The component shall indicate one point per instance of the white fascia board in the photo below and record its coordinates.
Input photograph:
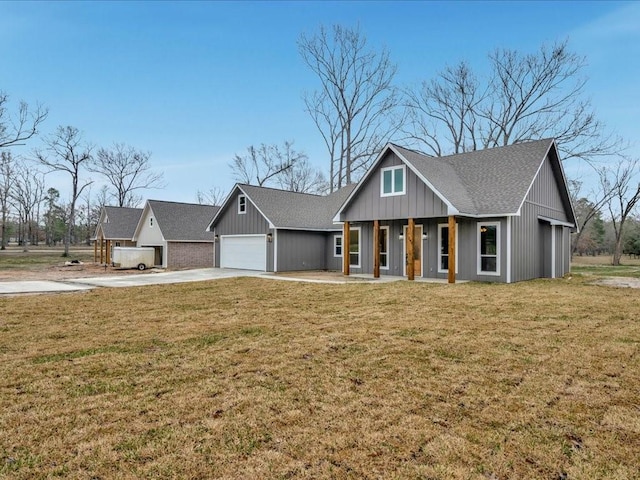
(364, 178)
(304, 229)
(136, 232)
(554, 222)
(223, 206)
(271, 225)
(451, 209)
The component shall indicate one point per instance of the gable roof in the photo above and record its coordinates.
(181, 221)
(119, 223)
(490, 182)
(292, 210)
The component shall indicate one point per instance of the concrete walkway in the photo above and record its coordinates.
(182, 276)
(87, 283)
(39, 286)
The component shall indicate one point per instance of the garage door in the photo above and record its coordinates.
(247, 252)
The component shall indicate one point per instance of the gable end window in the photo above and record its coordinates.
(337, 246)
(242, 204)
(489, 248)
(151, 222)
(392, 181)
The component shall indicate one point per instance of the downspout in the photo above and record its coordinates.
(553, 251)
(275, 250)
(508, 249)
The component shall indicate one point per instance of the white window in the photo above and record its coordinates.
(443, 248)
(489, 248)
(337, 246)
(392, 181)
(242, 204)
(354, 247)
(384, 248)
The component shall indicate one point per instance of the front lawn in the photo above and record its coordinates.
(253, 378)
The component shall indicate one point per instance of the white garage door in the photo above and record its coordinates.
(247, 252)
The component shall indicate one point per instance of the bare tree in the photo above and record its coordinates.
(447, 103)
(28, 193)
(18, 128)
(65, 151)
(352, 109)
(127, 170)
(303, 178)
(623, 179)
(7, 179)
(588, 208)
(526, 97)
(261, 166)
(214, 196)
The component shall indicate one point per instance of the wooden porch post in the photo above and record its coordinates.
(345, 249)
(95, 250)
(101, 249)
(452, 249)
(108, 252)
(411, 272)
(376, 249)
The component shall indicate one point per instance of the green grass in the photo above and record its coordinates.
(607, 270)
(15, 259)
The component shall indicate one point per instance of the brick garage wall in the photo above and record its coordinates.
(190, 255)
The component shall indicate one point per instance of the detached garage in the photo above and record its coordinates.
(246, 252)
(178, 233)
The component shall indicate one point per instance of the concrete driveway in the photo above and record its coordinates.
(79, 284)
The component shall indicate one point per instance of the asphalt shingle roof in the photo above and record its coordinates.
(183, 221)
(294, 210)
(483, 182)
(122, 222)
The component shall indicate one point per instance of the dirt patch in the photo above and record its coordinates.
(61, 272)
(622, 282)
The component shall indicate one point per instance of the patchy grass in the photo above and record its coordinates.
(537, 380)
(601, 266)
(40, 257)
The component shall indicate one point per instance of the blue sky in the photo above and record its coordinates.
(195, 83)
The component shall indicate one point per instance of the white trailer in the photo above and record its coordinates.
(134, 257)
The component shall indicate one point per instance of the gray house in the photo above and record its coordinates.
(116, 227)
(273, 230)
(502, 214)
(178, 232)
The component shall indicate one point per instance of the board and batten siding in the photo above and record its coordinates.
(545, 194)
(531, 238)
(301, 250)
(332, 262)
(230, 222)
(419, 201)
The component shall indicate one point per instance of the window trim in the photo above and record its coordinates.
(335, 246)
(359, 230)
(150, 222)
(442, 226)
(393, 169)
(479, 270)
(242, 206)
(385, 227)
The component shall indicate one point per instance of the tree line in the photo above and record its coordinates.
(33, 213)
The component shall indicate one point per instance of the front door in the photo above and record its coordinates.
(417, 250)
